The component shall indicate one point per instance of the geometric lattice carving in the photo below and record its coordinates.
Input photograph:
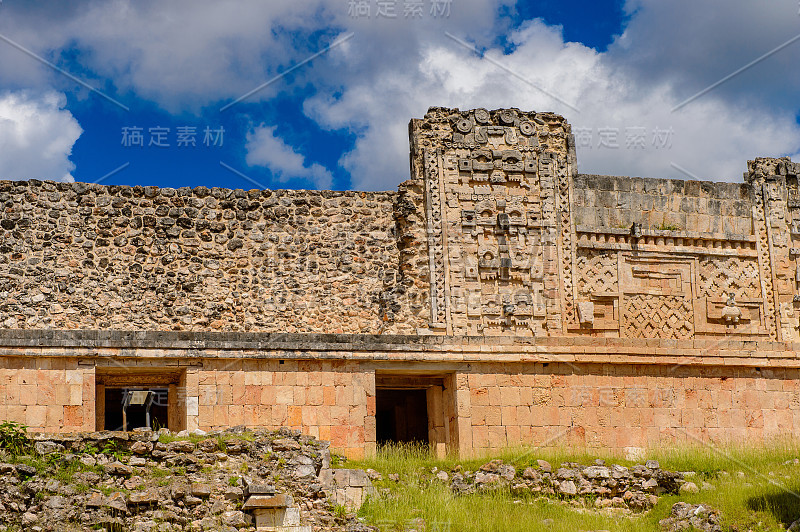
(435, 238)
(570, 314)
(597, 271)
(656, 316)
(765, 268)
(719, 276)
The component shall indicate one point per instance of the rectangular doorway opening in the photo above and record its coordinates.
(414, 408)
(126, 397)
(137, 414)
(401, 416)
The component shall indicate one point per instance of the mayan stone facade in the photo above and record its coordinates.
(516, 300)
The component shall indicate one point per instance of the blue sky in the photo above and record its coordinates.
(630, 76)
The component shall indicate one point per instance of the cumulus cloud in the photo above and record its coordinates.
(627, 121)
(199, 52)
(36, 136)
(182, 53)
(265, 148)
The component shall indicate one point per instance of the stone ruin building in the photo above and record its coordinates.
(497, 298)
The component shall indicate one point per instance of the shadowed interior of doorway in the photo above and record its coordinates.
(413, 408)
(401, 416)
(167, 409)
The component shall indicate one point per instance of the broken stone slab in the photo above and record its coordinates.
(568, 487)
(259, 489)
(359, 478)
(149, 496)
(25, 470)
(282, 500)
(597, 472)
(95, 500)
(141, 447)
(47, 447)
(335, 477)
(118, 469)
(116, 501)
(236, 519)
(201, 490)
(180, 446)
(285, 444)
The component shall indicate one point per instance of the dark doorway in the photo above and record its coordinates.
(401, 416)
(136, 413)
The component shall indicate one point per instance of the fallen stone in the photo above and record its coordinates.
(567, 487)
(141, 448)
(594, 472)
(530, 474)
(149, 496)
(259, 489)
(209, 445)
(47, 447)
(116, 501)
(180, 446)
(25, 470)
(201, 490)
(282, 500)
(56, 502)
(118, 469)
(235, 519)
(95, 500)
(285, 444)
(684, 516)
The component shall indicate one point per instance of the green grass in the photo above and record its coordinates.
(668, 227)
(169, 438)
(158, 472)
(766, 498)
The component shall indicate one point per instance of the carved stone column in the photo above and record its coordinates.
(771, 223)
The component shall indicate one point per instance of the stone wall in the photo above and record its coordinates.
(494, 234)
(79, 256)
(626, 406)
(330, 400)
(47, 394)
(483, 393)
(702, 207)
(531, 303)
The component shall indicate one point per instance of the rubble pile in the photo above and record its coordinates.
(147, 481)
(684, 516)
(636, 488)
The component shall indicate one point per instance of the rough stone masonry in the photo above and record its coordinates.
(497, 298)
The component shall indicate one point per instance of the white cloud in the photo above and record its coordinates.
(711, 138)
(265, 148)
(195, 53)
(36, 136)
